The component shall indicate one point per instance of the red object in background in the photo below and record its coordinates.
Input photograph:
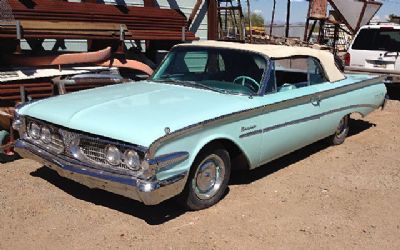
(318, 9)
(63, 59)
(347, 59)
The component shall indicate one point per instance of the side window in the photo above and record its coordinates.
(215, 63)
(196, 61)
(291, 73)
(221, 63)
(316, 73)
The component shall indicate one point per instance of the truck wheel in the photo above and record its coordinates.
(341, 132)
(208, 179)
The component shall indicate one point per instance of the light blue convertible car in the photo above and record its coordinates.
(209, 108)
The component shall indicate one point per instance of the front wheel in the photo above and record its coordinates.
(208, 179)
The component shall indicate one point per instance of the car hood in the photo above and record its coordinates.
(136, 112)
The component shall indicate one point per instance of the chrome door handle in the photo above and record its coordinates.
(315, 100)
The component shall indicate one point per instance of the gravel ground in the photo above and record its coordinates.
(318, 197)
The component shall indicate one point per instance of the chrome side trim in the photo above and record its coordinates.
(150, 192)
(258, 111)
(167, 160)
(305, 119)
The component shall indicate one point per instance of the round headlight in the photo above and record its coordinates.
(131, 159)
(113, 155)
(45, 135)
(34, 130)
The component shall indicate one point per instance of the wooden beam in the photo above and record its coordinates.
(212, 19)
(250, 24)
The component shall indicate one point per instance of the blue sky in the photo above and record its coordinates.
(299, 9)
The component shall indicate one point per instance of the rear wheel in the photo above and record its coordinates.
(208, 179)
(341, 131)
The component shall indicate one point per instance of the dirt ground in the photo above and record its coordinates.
(319, 197)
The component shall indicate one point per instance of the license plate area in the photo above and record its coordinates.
(380, 65)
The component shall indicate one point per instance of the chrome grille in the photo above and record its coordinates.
(93, 149)
(69, 140)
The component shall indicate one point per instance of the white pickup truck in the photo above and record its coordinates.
(376, 49)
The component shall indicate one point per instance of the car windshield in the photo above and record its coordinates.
(385, 39)
(222, 70)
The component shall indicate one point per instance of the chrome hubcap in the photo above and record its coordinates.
(342, 127)
(208, 177)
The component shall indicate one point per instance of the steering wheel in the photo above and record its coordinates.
(248, 82)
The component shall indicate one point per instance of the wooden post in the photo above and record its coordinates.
(307, 23)
(287, 19)
(335, 38)
(194, 12)
(272, 19)
(212, 20)
(249, 16)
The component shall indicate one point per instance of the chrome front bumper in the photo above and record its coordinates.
(150, 192)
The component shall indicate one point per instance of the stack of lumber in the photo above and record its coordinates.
(40, 88)
(60, 30)
(145, 23)
(36, 89)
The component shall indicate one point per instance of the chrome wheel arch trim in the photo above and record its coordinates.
(244, 114)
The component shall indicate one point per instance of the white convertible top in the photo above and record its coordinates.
(281, 51)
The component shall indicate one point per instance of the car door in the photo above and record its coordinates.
(291, 117)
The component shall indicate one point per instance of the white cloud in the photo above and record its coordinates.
(376, 18)
(257, 11)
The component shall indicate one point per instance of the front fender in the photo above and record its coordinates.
(194, 143)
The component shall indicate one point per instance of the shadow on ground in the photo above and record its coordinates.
(170, 209)
(153, 215)
(394, 92)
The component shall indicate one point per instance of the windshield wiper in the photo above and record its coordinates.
(203, 86)
(192, 84)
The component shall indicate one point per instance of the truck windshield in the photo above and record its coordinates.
(222, 70)
(385, 39)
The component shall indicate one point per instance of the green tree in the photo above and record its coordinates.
(394, 19)
(256, 20)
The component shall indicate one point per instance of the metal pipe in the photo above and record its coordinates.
(272, 19)
(18, 29)
(194, 12)
(287, 18)
(22, 94)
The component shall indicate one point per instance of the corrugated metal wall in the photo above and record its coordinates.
(199, 24)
